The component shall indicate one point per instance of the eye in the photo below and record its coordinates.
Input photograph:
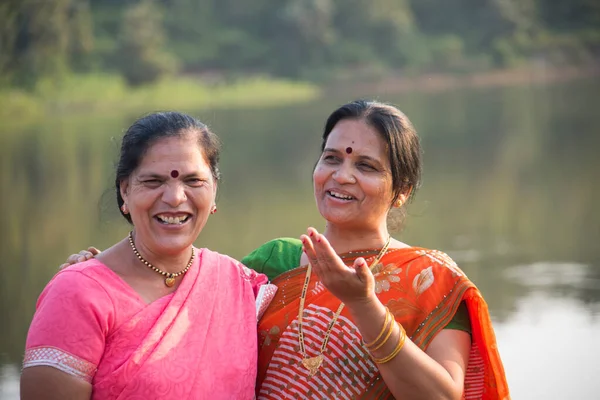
(367, 167)
(152, 182)
(195, 181)
(330, 159)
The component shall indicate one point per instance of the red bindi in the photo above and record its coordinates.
(174, 173)
(349, 150)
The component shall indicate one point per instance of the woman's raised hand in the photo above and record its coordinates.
(353, 284)
(82, 256)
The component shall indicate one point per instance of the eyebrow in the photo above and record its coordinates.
(363, 157)
(151, 175)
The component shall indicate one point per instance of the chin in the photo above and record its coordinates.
(337, 219)
(174, 245)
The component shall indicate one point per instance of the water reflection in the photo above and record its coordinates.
(550, 349)
(510, 179)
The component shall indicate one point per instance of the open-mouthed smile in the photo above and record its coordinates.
(339, 195)
(173, 220)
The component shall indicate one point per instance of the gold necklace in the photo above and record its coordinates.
(169, 276)
(312, 364)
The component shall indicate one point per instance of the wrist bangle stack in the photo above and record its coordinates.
(394, 353)
(384, 336)
(389, 319)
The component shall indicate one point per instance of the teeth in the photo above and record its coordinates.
(172, 220)
(340, 196)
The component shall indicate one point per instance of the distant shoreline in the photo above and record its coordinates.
(106, 94)
(531, 75)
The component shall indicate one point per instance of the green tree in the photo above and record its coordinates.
(43, 38)
(303, 35)
(9, 14)
(141, 55)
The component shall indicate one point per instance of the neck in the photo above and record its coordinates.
(344, 240)
(171, 263)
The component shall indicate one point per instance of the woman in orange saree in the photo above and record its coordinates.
(394, 321)
(423, 289)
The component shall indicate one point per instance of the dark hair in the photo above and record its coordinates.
(402, 142)
(147, 130)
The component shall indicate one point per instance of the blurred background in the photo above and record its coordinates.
(504, 94)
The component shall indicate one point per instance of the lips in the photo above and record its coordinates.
(173, 219)
(340, 195)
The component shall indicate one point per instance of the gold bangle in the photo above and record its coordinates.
(388, 314)
(385, 339)
(401, 341)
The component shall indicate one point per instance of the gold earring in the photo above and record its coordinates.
(125, 209)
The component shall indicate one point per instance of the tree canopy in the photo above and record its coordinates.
(308, 39)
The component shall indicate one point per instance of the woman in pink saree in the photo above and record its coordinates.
(152, 317)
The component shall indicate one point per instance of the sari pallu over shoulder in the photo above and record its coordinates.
(422, 288)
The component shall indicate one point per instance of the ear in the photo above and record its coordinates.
(123, 187)
(215, 186)
(402, 198)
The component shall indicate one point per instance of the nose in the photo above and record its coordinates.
(174, 194)
(344, 174)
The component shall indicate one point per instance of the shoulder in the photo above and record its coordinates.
(275, 248)
(81, 280)
(224, 261)
(75, 302)
(230, 264)
(280, 244)
(275, 256)
(436, 260)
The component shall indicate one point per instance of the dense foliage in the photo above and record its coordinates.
(310, 39)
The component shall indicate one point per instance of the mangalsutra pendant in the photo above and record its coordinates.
(169, 281)
(312, 364)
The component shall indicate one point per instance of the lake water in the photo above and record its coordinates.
(511, 190)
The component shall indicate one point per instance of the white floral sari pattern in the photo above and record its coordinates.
(387, 274)
(423, 280)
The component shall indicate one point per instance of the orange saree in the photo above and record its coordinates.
(422, 288)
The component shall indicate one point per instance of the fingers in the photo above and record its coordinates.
(326, 256)
(82, 256)
(321, 254)
(94, 251)
(309, 249)
(362, 269)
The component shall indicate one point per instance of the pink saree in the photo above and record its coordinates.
(198, 342)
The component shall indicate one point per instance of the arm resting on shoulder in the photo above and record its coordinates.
(47, 383)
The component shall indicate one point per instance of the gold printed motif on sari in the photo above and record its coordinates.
(443, 259)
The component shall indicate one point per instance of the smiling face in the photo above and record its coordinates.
(168, 209)
(353, 188)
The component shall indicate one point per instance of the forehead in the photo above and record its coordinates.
(182, 152)
(363, 138)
